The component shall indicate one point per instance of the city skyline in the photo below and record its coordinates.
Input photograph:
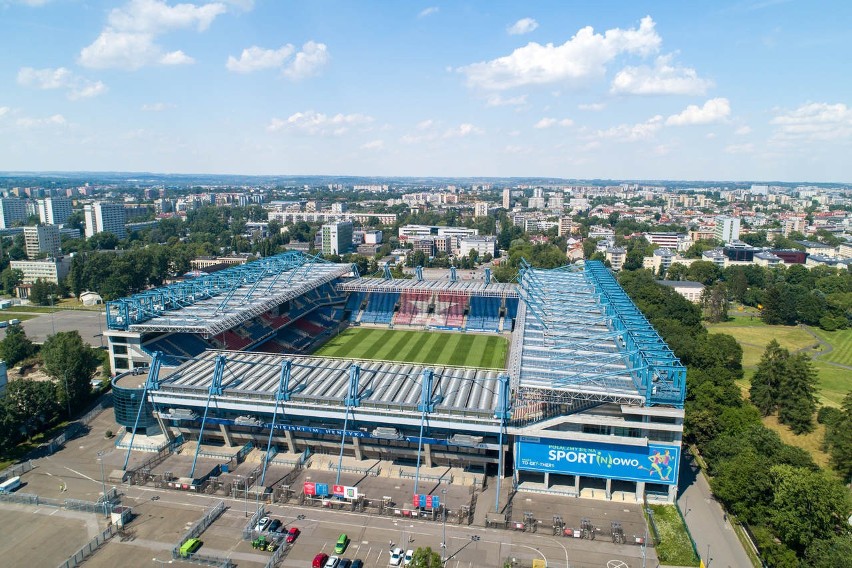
(728, 91)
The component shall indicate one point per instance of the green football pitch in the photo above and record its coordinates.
(464, 350)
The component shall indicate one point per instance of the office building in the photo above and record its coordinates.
(507, 198)
(337, 238)
(103, 217)
(482, 246)
(12, 210)
(481, 209)
(727, 229)
(54, 210)
(44, 238)
(47, 270)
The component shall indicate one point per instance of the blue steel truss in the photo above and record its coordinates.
(586, 340)
(123, 313)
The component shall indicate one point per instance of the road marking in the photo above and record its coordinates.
(81, 474)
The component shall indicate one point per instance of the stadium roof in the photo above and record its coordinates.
(452, 287)
(216, 302)
(583, 339)
(388, 388)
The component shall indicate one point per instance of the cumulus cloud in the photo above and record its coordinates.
(255, 58)
(428, 11)
(813, 122)
(156, 107)
(583, 56)
(128, 40)
(76, 87)
(742, 130)
(308, 62)
(425, 124)
(319, 124)
(55, 120)
(663, 78)
(714, 110)
(497, 100)
(462, 130)
(4, 111)
(548, 122)
(592, 106)
(373, 145)
(740, 148)
(522, 26)
(633, 132)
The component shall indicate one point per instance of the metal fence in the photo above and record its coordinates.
(73, 429)
(201, 524)
(70, 504)
(248, 530)
(16, 470)
(89, 548)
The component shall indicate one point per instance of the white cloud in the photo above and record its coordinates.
(497, 100)
(462, 130)
(740, 148)
(374, 145)
(307, 62)
(633, 132)
(742, 130)
(582, 57)
(548, 122)
(714, 110)
(156, 107)
(814, 121)
(255, 58)
(316, 123)
(4, 111)
(55, 120)
(522, 26)
(60, 78)
(517, 150)
(595, 107)
(661, 79)
(428, 11)
(710, 135)
(425, 124)
(128, 40)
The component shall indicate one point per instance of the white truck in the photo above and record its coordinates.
(10, 484)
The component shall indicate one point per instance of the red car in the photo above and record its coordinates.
(292, 534)
(319, 560)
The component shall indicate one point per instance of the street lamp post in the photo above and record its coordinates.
(444, 528)
(103, 483)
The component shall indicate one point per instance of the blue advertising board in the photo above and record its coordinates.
(654, 463)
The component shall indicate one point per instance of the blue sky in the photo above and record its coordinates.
(741, 90)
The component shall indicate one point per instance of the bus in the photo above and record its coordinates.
(10, 484)
(189, 547)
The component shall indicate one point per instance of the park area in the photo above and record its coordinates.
(831, 352)
(433, 348)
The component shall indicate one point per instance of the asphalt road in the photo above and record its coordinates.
(714, 536)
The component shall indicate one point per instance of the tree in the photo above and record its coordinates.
(703, 271)
(768, 377)
(72, 363)
(829, 553)
(779, 305)
(714, 300)
(808, 506)
(677, 271)
(9, 278)
(16, 346)
(838, 438)
(426, 558)
(797, 395)
(31, 404)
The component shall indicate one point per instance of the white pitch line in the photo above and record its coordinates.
(81, 474)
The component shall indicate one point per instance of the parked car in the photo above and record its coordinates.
(319, 560)
(396, 556)
(262, 524)
(332, 562)
(292, 534)
(357, 563)
(345, 563)
(342, 543)
(275, 525)
(409, 557)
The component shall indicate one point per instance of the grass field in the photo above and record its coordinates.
(465, 350)
(674, 548)
(753, 335)
(841, 343)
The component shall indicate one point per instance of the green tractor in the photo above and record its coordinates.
(259, 543)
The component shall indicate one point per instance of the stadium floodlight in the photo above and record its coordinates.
(387, 433)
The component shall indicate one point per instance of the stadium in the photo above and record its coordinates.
(557, 382)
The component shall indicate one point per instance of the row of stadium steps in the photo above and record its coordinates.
(177, 346)
(414, 308)
(301, 335)
(380, 308)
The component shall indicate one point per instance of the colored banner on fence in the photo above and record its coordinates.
(652, 463)
(423, 501)
(344, 491)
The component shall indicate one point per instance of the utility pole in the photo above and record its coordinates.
(103, 483)
(444, 528)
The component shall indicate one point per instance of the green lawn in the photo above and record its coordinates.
(459, 349)
(675, 548)
(753, 335)
(841, 341)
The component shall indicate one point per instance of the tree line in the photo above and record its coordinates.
(796, 511)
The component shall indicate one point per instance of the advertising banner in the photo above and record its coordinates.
(310, 488)
(653, 463)
(322, 489)
(344, 491)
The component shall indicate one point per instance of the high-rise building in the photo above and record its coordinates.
(507, 198)
(44, 238)
(337, 238)
(727, 228)
(54, 210)
(103, 217)
(480, 209)
(12, 210)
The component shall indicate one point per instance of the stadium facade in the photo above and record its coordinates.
(590, 400)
